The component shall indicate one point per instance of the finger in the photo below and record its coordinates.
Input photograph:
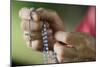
(28, 14)
(61, 36)
(35, 45)
(29, 19)
(45, 14)
(52, 18)
(30, 25)
(58, 49)
(35, 16)
(37, 36)
(64, 54)
(24, 13)
(32, 36)
(76, 39)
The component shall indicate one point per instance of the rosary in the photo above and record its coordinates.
(49, 57)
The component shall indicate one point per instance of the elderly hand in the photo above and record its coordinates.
(69, 46)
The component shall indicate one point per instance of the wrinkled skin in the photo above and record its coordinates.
(69, 46)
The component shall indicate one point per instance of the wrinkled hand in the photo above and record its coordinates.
(53, 23)
(68, 46)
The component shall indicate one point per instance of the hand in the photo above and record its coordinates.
(33, 19)
(75, 46)
(68, 46)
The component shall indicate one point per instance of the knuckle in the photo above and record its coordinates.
(35, 16)
(24, 13)
(40, 9)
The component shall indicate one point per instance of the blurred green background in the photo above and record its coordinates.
(21, 55)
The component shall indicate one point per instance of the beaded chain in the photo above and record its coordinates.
(49, 56)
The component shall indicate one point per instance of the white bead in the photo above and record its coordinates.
(46, 45)
(44, 29)
(44, 25)
(46, 48)
(45, 41)
(45, 37)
